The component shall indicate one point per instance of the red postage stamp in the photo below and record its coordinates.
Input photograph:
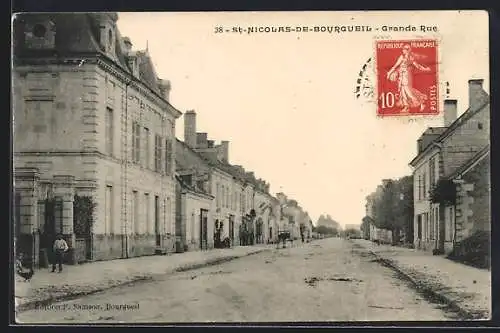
(407, 77)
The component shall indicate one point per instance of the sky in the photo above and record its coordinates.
(286, 100)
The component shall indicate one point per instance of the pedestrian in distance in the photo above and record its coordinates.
(59, 248)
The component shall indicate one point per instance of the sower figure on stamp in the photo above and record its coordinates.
(59, 248)
(409, 97)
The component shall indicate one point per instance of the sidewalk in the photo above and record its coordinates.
(78, 280)
(464, 288)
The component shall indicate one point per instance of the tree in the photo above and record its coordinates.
(327, 231)
(328, 221)
(443, 193)
(353, 233)
(393, 209)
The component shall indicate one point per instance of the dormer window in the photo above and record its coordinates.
(110, 39)
(39, 30)
(40, 35)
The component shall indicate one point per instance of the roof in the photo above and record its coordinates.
(368, 219)
(78, 34)
(435, 130)
(192, 189)
(470, 112)
(480, 155)
(147, 71)
(184, 145)
(226, 167)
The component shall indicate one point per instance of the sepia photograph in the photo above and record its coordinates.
(250, 167)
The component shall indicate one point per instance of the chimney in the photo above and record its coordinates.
(475, 91)
(190, 128)
(201, 140)
(164, 86)
(450, 111)
(128, 45)
(224, 147)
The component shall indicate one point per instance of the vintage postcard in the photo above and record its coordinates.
(251, 167)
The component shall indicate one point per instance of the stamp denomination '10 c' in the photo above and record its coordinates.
(407, 77)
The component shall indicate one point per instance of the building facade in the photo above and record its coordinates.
(193, 207)
(92, 119)
(441, 152)
(472, 210)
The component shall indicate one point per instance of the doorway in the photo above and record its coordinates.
(231, 228)
(203, 229)
(157, 222)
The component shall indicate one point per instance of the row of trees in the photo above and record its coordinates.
(392, 208)
(327, 226)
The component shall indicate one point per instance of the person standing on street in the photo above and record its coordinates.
(60, 247)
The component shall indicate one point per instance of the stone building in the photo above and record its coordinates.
(291, 215)
(472, 210)
(225, 183)
(91, 119)
(192, 216)
(264, 213)
(441, 152)
(195, 197)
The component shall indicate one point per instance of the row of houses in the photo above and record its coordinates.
(96, 157)
(451, 178)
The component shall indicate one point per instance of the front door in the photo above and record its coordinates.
(231, 228)
(157, 221)
(203, 229)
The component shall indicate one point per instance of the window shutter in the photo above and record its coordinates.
(168, 156)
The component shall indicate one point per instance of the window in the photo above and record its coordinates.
(135, 213)
(193, 217)
(110, 37)
(110, 91)
(480, 126)
(419, 226)
(109, 131)
(168, 156)
(223, 196)
(136, 142)
(108, 206)
(432, 220)
(39, 30)
(432, 170)
(449, 224)
(420, 187)
(158, 151)
(147, 215)
(165, 216)
(428, 225)
(436, 222)
(217, 195)
(147, 153)
(169, 216)
(424, 180)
